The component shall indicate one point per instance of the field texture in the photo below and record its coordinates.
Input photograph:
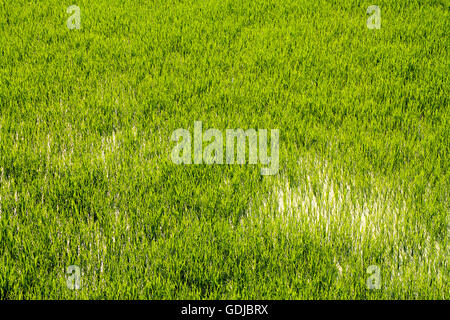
(358, 208)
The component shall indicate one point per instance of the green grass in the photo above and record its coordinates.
(86, 176)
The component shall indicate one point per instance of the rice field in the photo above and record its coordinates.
(109, 189)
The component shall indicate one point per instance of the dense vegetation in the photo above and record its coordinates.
(86, 176)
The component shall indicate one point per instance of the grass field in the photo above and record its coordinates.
(86, 176)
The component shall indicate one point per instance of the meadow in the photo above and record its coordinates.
(86, 176)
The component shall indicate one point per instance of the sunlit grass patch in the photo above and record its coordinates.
(358, 227)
